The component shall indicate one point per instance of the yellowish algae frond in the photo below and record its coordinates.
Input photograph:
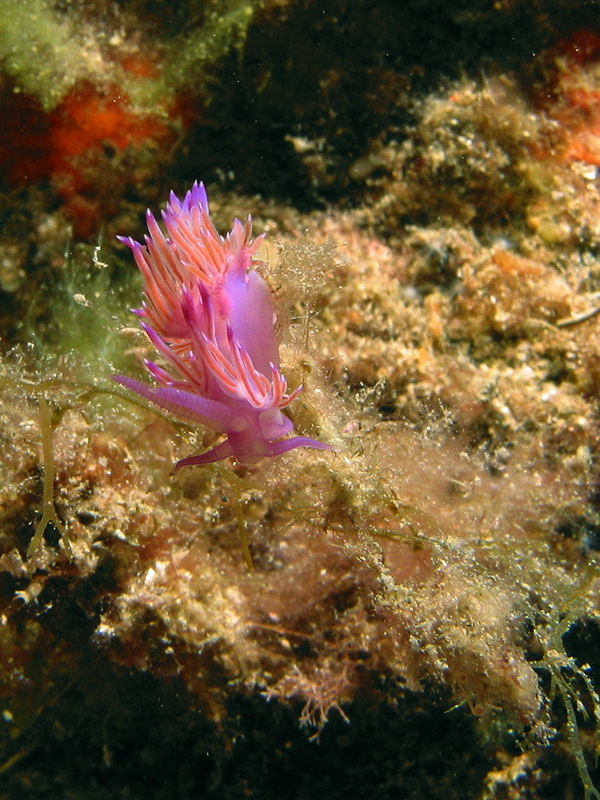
(48, 47)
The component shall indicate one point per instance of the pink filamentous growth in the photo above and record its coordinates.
(211, 316)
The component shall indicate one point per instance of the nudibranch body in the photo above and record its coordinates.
(211, 316)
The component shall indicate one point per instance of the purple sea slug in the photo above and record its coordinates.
(211, 316)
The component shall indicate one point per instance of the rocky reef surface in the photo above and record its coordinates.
(421, 616)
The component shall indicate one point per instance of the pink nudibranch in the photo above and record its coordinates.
(211, 316)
